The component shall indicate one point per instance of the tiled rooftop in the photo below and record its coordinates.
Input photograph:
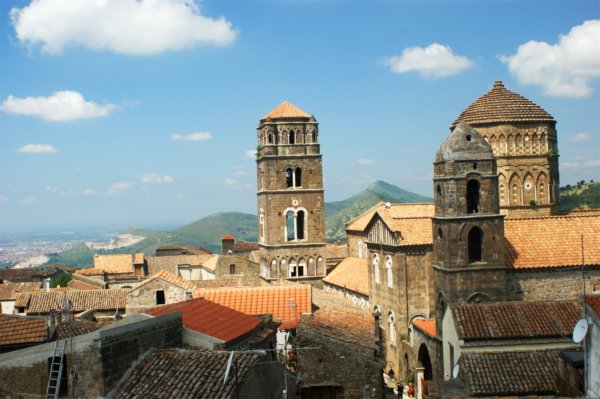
(45, 301)
(243, 246)
(82, 282)
(336, 251)
(425, 325)
(90, 272)
(9, 291)
(184, 248)
(351, 273)
(28, 275)
(594, 303)
(175, 373)
(210, 318)
(552, 241)
(18, 330)
(506, 320)
(170, 262)
(74, 328)
(286, 110)
(286, 303)
(117, 263)
(170, 278)
(510, 373)
(395, 212)
(502, 105)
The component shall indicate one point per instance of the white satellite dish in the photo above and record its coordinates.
(580, 330)
(228, 368)
(455, 371)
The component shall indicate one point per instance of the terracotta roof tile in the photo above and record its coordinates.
(176, 373)
(9, 291)
(511, 320)
(74, 328)
(336, 251)
(117, 263)
(243, 246)
(81, 282)
(186, 249)
(502, 105)
(45, 301)
(552, 241)
(90, 272)
(210, 318)
(351, 273)
(425, 325)
(170, 278)
(170, 262)
(227, 237)
(274, 300)
(18, 330)
(510, 373)
(395, 211)
(285, 110)
(594, 303)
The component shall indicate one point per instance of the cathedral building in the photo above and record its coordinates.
(291, 219)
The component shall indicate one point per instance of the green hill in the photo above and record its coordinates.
(580, 196)
(207, 232)
(338, 213)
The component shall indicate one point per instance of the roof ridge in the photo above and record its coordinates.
(286, 110)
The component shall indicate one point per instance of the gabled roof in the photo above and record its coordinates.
(9, 291)
(286, 303)
(177, 373)
(395, 211)
(425, 325)
(82, 282)
(510, 373)
(351, 273)
(18, 330)
(117, 263)
(210, 318)
(285, 110)
(169, 278)
(502, 105)
(552, 241)
(514, 320)
(411, 223)
(46, 301)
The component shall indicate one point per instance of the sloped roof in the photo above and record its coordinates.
(594, 303)
(506, 320)
(351, 273)
(46, 301)
(502, 105)
(210, 318)
(425, 325)
(274, 300)
(510, 373)
(395, 211)
(413, 231)
(286, 110)
(168, 277)
(74, 328)
(82, 282)
(176, 373)
(170, 262)
(184, 248)
(464, 144)
(90, 272)
(117, 263)
(9, 291)
(336, 251)
(552, 241)
(18, 330)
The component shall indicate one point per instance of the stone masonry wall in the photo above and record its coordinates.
(144, 297)
(546, 284)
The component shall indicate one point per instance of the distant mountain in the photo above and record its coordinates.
(207, 232)
(580, 196)
(338, 213)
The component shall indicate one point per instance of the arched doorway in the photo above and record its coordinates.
(425, 362)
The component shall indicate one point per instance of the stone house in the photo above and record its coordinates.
(162, 288)
(8, 294)
(215, 327)
(115, 270)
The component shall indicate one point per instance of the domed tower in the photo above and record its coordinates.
(468, 229)
(291, 221)
(523, 138)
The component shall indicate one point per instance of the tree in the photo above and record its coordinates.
(61, 279)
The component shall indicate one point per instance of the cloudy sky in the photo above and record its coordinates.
(141, 112)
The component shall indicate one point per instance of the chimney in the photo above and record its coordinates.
(47, 284)
(227, 243)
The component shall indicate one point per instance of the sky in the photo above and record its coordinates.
(144, 112)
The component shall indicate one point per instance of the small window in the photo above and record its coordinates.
(392, 328)
(440, 234)
(292, 137)
(390, 275)
(439, 189)
(160, 297)
(270, 138)
(472, 196)
(475, 244)
(376, 268)
(289, 222)
(468, 137)
(232, 269)
(300, 225)
(289, 177)
(298, 178)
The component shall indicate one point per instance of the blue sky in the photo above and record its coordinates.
(144, 112)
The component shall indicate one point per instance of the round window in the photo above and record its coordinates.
(528, 186)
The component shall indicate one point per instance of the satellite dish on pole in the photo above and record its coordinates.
(455, 371)
(580, 331)
(228, 368)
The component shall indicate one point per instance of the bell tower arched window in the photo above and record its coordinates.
(270, 138)
(298, 178)
(289, 223)
(292, 137)
(295, 220)
(472, 196)
(300, 225)
(475, 244)
(293, 177)
(376, 268)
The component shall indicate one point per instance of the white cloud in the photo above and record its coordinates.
(156, 178)
(30, 199)
(230, 182)
(583, 164)
(118, 187)
(61, 106)
(88, 191)
(580, 137)
(52, 189)
(140, 27)
(250, 154)
(37, 149)
(434, 61)
(198, 136)
(366, 161)
(564, 69)
(4, 199)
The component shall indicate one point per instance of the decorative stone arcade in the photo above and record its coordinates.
(291, 221)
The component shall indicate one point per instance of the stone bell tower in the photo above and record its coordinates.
(468, 229)
(291, 220)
